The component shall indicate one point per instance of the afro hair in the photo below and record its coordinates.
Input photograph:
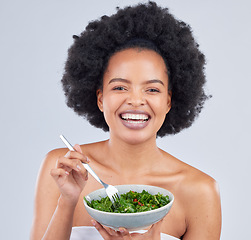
(145, 26)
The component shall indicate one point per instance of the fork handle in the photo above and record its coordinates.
(87, 167)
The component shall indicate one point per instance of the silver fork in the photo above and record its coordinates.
(111, 191)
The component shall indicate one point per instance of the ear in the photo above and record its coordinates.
(99, 94)
(169, 101)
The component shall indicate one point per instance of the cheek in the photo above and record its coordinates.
(111, 105)
(107, 103)
(158, 102)
(159, 106)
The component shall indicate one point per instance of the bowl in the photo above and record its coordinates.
(130, 221)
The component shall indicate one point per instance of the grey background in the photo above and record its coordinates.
(35, 36)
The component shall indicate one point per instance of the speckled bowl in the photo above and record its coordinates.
(130, 221)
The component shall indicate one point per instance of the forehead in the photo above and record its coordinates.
(144, 63)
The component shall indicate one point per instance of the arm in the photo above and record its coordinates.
(203, 212)
(61, 221)
(59, 185)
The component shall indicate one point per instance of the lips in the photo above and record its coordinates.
(135, 119)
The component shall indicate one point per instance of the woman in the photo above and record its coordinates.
(138, 74)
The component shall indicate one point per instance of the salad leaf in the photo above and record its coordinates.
(130, 202)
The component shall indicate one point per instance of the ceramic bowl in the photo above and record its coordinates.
(130, 221)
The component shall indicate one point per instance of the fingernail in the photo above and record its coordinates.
(67, 173)
(67, 154)
(121, 230)
(78, 167)
(87, 159)
(93, 222)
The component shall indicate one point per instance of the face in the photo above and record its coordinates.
(135, 97)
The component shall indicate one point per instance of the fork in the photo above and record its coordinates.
(111, 191)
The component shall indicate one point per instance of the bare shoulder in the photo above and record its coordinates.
(94, 150)
(197, 180)
(49, 162)
(200, 197)
(52, 156)
(45, 181)
(90, 147)
(192, 181)
(199, 186)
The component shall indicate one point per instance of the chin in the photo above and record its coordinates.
(138, 138)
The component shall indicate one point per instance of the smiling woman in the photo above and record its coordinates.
(138, 74)
(135, 97)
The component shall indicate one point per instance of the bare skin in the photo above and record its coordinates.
(130, 156)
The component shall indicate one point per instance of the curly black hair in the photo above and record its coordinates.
(141, 26)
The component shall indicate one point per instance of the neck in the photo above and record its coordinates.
(131, 159)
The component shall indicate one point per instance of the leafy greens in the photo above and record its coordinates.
(130, 202)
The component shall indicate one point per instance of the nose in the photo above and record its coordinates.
(136, 98)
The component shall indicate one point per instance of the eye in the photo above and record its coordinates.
(119, 88)
(153, 90)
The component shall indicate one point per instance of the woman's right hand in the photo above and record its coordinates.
(70, 174)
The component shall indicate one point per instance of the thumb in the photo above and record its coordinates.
(78, 148)
(125, 234)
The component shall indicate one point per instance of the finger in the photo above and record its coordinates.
(77, 155)
(67, 154)
(63, 167)
(58, 172)
(78, 148)
(101, 230)
(74, 164)
(125, 234)
(82, 173)
(71, 162)
(111, 231)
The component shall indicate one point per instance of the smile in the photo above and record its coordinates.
(134, 117)
(135, 120)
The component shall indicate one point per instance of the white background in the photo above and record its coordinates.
(34, 38)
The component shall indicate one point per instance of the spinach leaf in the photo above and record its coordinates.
(131, 202)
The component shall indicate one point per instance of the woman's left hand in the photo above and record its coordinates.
(109, 234)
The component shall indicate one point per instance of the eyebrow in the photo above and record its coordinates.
(127, 81)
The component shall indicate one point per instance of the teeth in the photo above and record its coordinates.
(131, 116)
(135, 121)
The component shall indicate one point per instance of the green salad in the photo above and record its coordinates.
(130, 202)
